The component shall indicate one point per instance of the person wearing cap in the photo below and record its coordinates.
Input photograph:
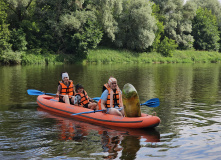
(82, 99)
(111, 98)
(66, 90)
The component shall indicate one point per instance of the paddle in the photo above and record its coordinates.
(88, 112)
(96, 98)
(38, 93)
(155, 102)
(150, 103)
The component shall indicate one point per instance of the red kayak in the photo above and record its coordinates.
(50, 103)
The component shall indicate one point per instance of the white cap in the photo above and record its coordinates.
(65, 75)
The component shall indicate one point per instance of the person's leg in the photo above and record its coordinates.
(72, 99)
(92, 106)
(122, 111)
(115, 111)
(66, 99)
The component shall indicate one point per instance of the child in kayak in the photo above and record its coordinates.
(82, 99)
(65, 90)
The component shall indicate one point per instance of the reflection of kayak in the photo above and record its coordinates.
(75, 129)
(145, 121)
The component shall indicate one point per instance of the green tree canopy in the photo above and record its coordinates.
(205, 30)
(213, 5)
(18, 10)
(160, 27)
(178, 21)
(4, 32)
(136, 25)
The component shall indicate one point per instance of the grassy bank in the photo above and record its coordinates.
(11, 57)
(107, 55)
(104, 55)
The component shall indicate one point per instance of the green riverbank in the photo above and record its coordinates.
(107, 55)
(103, 55)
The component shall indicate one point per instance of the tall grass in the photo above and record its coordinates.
(11, 57)
(107, 55)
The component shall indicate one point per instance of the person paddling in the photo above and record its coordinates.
(82, 99)
(111, 98)
(66, 90)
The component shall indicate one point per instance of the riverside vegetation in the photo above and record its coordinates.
(108, 55)
(95, 31)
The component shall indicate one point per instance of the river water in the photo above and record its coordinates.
(190, 111)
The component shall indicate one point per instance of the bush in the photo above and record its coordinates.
(166, 47)
(18, 40)
(10, 57)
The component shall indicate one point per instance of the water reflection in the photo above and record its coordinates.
(111, 143)
(114, 141)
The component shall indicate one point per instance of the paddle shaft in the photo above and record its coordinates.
(150, 103)
(88, 112)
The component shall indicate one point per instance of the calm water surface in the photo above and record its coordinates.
(190, 113)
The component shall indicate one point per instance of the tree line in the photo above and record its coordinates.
(75, 26)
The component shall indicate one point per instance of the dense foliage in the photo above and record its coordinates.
(43, 27)
(205, 30)
(4, 32)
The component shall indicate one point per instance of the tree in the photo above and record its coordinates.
(178, 21)
(107, 12)
(4, 32)
(18, 40)
(71, 26)
(160, 27)
(215, 7)
(136, 25)
(18, 10)
(80, 32)
(205, 30)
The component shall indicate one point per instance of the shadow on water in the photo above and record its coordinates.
(114, 142)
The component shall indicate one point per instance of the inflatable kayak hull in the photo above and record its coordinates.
(66, 110)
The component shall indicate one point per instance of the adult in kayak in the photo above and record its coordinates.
(82, 99)
(111, 98)
(66, 90)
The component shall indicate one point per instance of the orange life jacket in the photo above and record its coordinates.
(116, 97)
(67, 90)
(84, 98)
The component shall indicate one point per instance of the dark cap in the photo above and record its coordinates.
(78, 86)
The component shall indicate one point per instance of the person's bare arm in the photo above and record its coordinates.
(74, 90)
(103, 104)
(58, 90)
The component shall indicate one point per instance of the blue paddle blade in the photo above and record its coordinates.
(35, 92)
(155, 102)
(97, 98)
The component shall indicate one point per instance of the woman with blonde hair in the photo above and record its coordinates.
(111, 98)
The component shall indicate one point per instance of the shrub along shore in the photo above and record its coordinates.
(103, 55)
(107, 55)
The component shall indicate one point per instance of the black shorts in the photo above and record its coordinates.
(86, 105)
